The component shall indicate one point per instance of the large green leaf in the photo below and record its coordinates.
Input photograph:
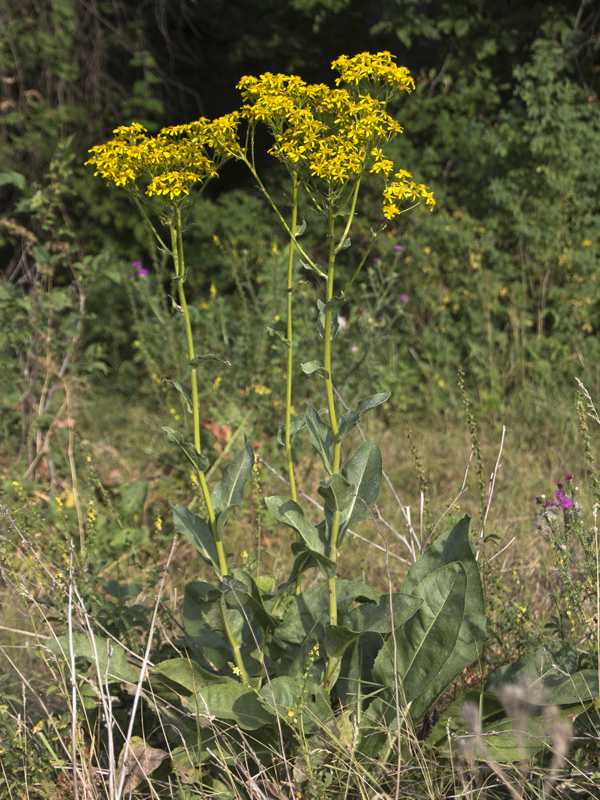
(297, 701)
(505, 737)
(369, 618)
(296, 425)
(204, 608)
(321, 436)
(364, 470)
(338, 493)
(229, 492)
(307, 616)
(108, 656)
(547, 675)
(189, 448)
(352, 418)
(425, 652)
(210, 696)
(198, 534)
(291, 514)
(453, 547)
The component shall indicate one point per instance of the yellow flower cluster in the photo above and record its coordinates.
(173, 160)
(403, 189)
(373, 72)
(320, 132)
(334, 135)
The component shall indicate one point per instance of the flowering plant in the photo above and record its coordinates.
(294, 657)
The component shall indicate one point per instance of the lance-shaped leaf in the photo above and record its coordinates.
(294, 693)
(321, 436)
(364, 470)
(247, 593)
(198, 534)
(308, 614)
(335, 322)
(453, 546)
(313, 268)
(338, 493)
(197, 361)
(352, 418)
(291, 514)
(314, 368)
(296, 425)
(305, 558)
(212, 616)
(279, 335)
(185, 392)
(229, 492)
(427, 641)
(189, 448)
(205, 695)
(108, 656)
(369, 618)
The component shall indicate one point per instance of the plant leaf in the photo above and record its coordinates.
(229, 492)
(296, 425)
(365, 471)
(321, 436)
(453, 547)
(205, 695)
(427, 641)
(109, 656)
(314, 368)
(198, 534)
(352, 418)
(197, 361)
(189, 448)
(185, 392)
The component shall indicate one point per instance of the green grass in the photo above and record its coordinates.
(127, 448)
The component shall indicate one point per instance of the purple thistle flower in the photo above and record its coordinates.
(138, 264)
(361, 311)
(559, 495)
(376, 261)
(398, 248)
(569, 478)
(404, 298)
(560, 485)
(142, 273)
(566, 502)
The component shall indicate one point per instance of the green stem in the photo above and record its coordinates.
(179, 263)
(288, 392)
(327, 335)
(291, 234)
(235, 647)
(333, 663)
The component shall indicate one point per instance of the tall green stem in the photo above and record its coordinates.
(332, 415)
(179, 263)
(290, 332)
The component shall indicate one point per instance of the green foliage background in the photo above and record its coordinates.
(504, 126)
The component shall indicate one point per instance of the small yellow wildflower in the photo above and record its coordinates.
(158, 524)
(217, 382)
(213, 291)
(262, 390)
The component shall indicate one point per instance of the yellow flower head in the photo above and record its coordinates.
(171, 162)
(374, 74)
